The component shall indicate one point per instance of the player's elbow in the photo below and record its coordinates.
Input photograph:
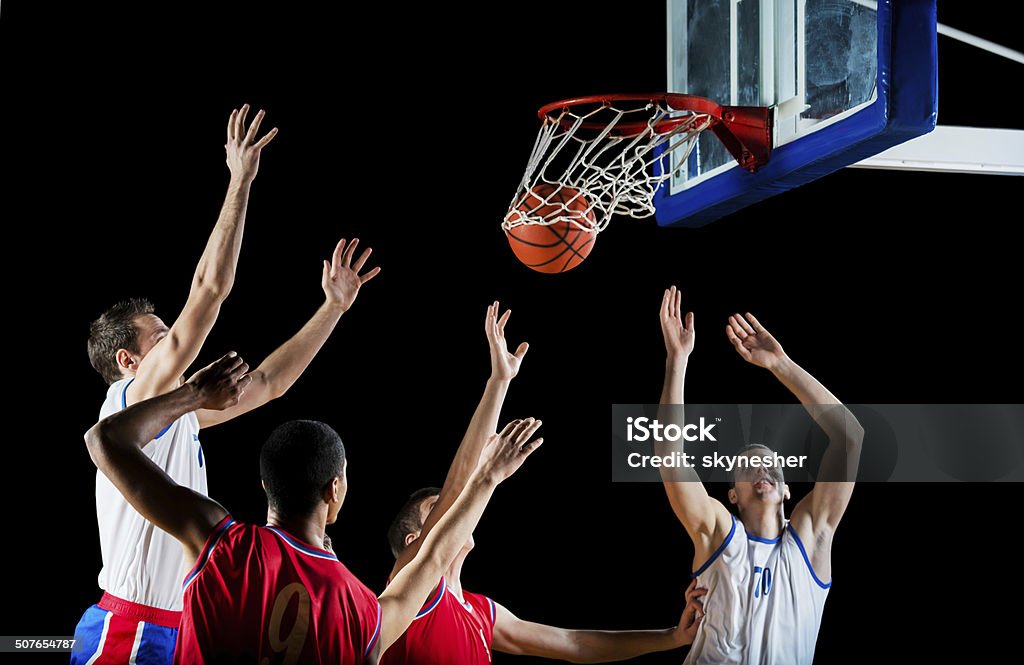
(265, 387)
(274, 388)
(855, 438)
(577, 651)
(214, 287)
(95, 441)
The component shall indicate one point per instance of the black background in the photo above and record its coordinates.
(410, 129)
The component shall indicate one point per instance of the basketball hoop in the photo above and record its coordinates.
(606, 155)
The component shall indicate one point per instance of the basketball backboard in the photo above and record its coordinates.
(845, 79)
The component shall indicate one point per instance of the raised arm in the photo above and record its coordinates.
(515, 636)
(817, 514)
(341, 282)
(705, 519)
(504, 368)
(161, 369)
(115, 446)
(503, 454)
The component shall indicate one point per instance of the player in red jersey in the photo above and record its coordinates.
(456, 627)
(272, 594)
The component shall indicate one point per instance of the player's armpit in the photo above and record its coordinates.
(165, 364)
(404, 597)
(705, 519)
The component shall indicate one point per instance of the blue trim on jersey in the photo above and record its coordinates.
(376, 634)
(720, 549)
(205, 556)
(305, 549)
(806, 560)
(124, 405)
(437, 599)
(494, 613)
(766, 541)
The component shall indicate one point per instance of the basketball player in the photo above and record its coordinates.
(456, 627)
(140, 357)
(273, 593)
(767, 577)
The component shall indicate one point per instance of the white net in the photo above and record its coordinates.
(592, 161)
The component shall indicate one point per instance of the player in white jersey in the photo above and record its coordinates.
(767, 577)
(140, 357)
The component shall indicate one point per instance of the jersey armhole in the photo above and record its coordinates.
(376, 634)
(718, 552)
(810, 568)
(204, 556)
(433, 601)
(124, 405)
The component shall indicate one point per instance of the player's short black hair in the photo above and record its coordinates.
(115, 329)
(408, 519)
(299, 459)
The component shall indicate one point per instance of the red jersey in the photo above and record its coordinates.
(447, 632)
(259, 595)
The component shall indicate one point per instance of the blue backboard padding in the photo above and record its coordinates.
(906, 106)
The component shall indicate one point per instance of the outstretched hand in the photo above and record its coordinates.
(506, 451)
(243, 150)
(693, 614)
(678, 331)
(755, 344)
(341, 279)
(221, 383)
(504, 365)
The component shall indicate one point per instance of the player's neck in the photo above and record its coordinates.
(453, 575)
(763, 521)
(309, 528)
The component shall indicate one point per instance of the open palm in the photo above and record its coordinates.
(753, 342)
(504, 365)
(677, 330)
(341, 279)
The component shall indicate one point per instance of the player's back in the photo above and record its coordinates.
(259, 595)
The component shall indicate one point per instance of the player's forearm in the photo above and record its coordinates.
(481, 426)
(139, 424)
(671, 411)
(282, 368)
(675, 377)
(453, 530)
(216, 270)
(600, 646)
(828, 412)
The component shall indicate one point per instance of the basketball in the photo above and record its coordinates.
(557, 247)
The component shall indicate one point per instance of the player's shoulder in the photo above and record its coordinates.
(114, 400)
(276, 536)
(481, 603)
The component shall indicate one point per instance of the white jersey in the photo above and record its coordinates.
(764, 602)
(141, 563)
